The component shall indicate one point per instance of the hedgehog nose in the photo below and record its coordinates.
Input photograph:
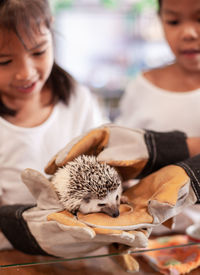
(115, 214)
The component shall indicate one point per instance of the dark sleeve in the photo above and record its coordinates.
(192, 168)
(164, 149)
(16, 230)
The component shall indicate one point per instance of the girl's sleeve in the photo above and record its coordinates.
(96, 114)
(92, 114)
(128, 103)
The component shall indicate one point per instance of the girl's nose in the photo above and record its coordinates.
(25, 70)
(189, 33)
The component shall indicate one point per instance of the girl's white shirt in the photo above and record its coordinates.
(22, 148)
(147, 106)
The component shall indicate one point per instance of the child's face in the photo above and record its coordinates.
(24, 70)
(181, 23)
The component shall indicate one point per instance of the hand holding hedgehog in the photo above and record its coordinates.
(130, 151)
(88, 186)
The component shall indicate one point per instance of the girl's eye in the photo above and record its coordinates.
(39, 53)
(172, 22)
(5, 63)
(101, 204)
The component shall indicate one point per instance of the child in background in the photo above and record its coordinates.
(168, 98)
(41, 106)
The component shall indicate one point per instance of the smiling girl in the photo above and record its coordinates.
(41, 106)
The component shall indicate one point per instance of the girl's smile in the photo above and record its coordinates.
(190, 53)
(26, 88)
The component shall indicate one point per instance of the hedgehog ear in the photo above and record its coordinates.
(87, 198)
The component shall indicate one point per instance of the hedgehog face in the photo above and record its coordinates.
(108, 205)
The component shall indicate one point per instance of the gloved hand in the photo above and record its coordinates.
(135, 153)
(157, 197)
(48, 230)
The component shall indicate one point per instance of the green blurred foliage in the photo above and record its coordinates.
(58, 5)
(138, 7)
(110, 3)
(141, 5)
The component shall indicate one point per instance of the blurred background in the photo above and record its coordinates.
(104, 43)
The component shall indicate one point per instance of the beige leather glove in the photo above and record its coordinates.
(135, 153)
(47, 229)
(154, 200)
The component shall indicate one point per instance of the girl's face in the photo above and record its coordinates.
(181, 23)
(24, 69)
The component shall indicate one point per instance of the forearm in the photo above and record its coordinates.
(193, 144)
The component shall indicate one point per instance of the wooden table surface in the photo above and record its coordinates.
(97, 266)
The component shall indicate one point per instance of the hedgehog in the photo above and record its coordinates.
(88, 186)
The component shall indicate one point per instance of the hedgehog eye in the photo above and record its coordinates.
(87, 198)
(117, 197)
(101, 204)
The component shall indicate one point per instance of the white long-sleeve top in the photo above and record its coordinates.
(22, 148)
(145, 105)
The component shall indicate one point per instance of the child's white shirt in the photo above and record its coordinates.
(22, 148)
(147, 106)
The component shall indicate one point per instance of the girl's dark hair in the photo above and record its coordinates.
(159, 5)
(30, 15)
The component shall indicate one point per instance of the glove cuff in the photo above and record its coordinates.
(164, 149)
(16, 230)
(192, 168)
